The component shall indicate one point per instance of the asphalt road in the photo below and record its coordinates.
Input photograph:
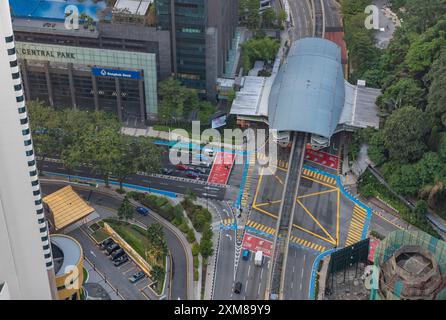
(179, 270)
(160, 183)
(302, 21)
(253, 279)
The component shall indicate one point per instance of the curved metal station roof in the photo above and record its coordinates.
(308, 93)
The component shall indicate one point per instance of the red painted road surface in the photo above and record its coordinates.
(221, 169)
(255, 244)
(322, 158)
(372, 247)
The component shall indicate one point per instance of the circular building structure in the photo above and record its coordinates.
(68, 266)
(412, 266)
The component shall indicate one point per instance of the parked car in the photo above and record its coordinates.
(106, 243)
(142, 211)
(182, 167)
(167, 171)
(118, 253)
(192, 174)
(245, 254)
(199, 170)
(136, 277)
(238, 288)
(112, 248)
(121, 260)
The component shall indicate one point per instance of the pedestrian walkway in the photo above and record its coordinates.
(356, 225)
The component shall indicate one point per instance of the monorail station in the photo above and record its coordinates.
(307, 92)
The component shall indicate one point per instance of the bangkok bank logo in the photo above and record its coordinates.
(103, 72)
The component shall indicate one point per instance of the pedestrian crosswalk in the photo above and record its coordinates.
(261, 227)
(271, 231)
(356, 225)
(227, 222)
(319, 176)
(308, 244)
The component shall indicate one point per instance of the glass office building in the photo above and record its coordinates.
(201, 36)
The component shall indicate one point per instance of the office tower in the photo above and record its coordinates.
(201, 37)
(26, 264)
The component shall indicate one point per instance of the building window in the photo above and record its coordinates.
(36, 192)
(9, 39)
(37, 202)
(36, 183)
(49, 264)
(47, 256)
(11, 51)
(31, 163)
(40, 221)
(19, 99)
(13, 64)
(33, 173)
(24, 121)
(45, 238)
(29, 153)
(18, 87)
(25, 132)
(22, 110)
(46, 247)
(28, 142)
(39, 211)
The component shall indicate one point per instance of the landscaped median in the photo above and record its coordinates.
(135, 241)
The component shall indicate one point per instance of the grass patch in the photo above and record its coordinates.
(99, 235)
(85, 272)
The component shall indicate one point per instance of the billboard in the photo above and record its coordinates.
(115, 73)
(219, 121)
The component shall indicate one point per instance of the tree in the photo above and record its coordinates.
(269, 18)
(125, 210)
(264, 48)
(404, 133)
(437, 93)
(174, 100)
(155, 237)
(158, 274)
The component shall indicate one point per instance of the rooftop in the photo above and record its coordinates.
(54, 9)
(308, 93)
(66, 252)
(67, 207)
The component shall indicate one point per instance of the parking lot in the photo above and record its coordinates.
(117, 277)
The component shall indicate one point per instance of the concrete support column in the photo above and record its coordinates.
(95, 92)
(48, 83)
(118, 99)
(72, 90)
(25, 79)
(142, 107)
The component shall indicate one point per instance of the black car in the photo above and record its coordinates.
(107, 242)
(118, 253)
(112, 248)
(238, 288)
(167, 171)
(121, 260)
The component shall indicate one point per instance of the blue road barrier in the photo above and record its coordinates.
(127, 185)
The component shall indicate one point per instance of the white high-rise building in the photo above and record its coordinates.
(26, 265)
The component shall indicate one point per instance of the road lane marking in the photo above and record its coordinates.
(315, 220)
